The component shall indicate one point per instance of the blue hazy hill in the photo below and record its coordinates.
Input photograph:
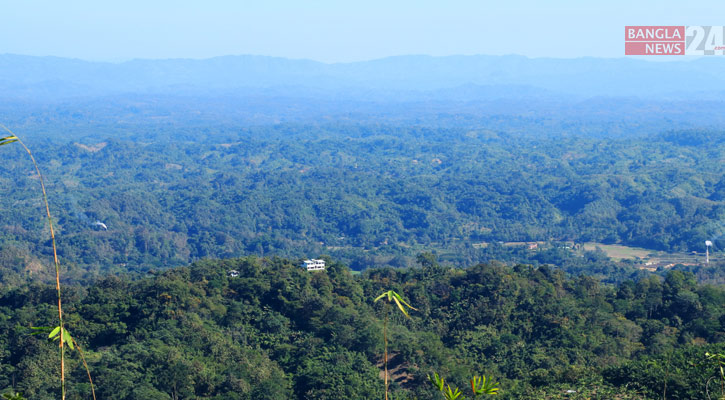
(508, 94)
(58, 77)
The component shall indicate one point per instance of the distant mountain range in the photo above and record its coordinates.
(407, 77)
(506, 94)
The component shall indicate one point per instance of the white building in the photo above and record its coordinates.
(314, 265)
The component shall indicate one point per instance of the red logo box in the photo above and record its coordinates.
(654, 40)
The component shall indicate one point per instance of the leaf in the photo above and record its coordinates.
(380, 297)
(400, 306)
(8, 140)
(483, 385)
(437, 381)
(394, 297)
(54, 332)
(451, 394)
(40, 329)
(68, 339)
(403, 301)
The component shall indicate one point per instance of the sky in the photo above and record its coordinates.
(334, 31)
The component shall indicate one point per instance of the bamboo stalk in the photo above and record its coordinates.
(55, 259)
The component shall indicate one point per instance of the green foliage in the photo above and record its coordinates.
(54, 334)
(452, 394)
(12, 396)
(481, 385)
(682, 373)
(58, 332)
(371, 197)
(391, 297)
(717, 360)
(277, 331)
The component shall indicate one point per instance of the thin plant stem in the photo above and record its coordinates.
(385, 356)
(402, 304)
(88, 371)
(55, 259)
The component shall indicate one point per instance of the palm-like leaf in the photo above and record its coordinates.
(452, 394)
(482, 385)
(437, 381)
(393, 297)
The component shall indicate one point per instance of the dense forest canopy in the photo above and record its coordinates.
(276, 331)
(483, 230)
(368, 195)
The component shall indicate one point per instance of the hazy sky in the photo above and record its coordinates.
(334, 31)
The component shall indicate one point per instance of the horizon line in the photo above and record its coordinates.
(653, 59)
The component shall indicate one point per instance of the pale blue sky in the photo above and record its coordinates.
(334, 31)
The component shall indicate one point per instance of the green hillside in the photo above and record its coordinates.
(277, 331)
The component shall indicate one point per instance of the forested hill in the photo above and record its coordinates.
(515, 94)
(368, 195)
(53, 77)
(277, 331)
